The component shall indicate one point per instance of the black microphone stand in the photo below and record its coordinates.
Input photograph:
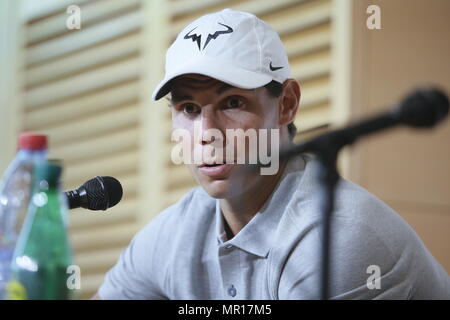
(423, 108)
(328, 178)
(326, 148)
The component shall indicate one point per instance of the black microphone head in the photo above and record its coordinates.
(102, 192)
(424, 107)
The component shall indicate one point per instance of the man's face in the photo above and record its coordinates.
(215, 105)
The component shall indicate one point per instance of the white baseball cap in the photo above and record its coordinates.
(231, 46)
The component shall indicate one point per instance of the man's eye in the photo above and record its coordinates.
(234, 103)
(190, 109)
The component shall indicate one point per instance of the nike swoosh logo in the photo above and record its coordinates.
(274, 68)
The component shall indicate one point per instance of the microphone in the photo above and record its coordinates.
(423, 108)
(99, 193)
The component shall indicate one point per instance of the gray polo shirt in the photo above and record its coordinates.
(184, 253)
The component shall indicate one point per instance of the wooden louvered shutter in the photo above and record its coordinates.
(83, 88)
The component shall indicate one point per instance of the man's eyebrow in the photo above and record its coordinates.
(224, 88)
(175, 98)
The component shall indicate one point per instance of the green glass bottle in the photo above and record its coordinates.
(43, 253)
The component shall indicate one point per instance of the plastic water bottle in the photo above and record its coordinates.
(15, 193)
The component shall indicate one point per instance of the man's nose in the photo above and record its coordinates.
(210, 126)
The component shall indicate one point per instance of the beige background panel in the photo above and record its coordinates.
(405, 166)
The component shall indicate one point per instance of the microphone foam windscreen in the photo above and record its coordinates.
(114, 190)
(424, 107)
(103, 192)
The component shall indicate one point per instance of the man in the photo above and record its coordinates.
(245, 235)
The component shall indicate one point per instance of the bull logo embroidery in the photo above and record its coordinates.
(195, 37)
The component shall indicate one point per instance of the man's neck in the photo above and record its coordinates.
(238, 211)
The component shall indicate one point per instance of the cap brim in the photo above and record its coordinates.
(236, 77)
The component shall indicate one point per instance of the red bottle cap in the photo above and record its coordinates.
(31, 141)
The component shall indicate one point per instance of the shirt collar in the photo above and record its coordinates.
(258, 236)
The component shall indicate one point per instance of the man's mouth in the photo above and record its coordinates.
(211, 165)
(215, 163)
(215, 169)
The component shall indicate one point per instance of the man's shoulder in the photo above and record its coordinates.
(194, 205)
(365, 212)
(189, 201)
(366, 232)
(366, 235)
(353, 204)
(360, 220)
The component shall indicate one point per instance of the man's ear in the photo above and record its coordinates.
(289, 101)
